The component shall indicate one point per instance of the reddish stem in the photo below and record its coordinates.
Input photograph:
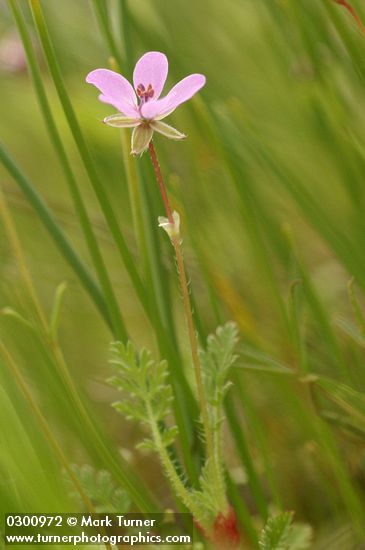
(176, 242)
(160, 182)
(351, 10)
(225, 532)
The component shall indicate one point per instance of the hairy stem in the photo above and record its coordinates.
(176, 242)
(181, 491)
(160, 182)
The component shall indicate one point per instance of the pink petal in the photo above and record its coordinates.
(151, 69)
(115, 90)
(182, 91)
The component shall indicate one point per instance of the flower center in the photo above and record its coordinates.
(145, 94)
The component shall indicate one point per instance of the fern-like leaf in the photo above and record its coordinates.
(216, 360)
(141, 379)
(280, 533)
(276, 533)
(146, 393)
(206, 497)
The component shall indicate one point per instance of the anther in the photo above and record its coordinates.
(144, 94)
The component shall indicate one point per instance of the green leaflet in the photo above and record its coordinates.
(147, 398)
(143, 382)
(280, 533)
(216, 361)
(275, 535)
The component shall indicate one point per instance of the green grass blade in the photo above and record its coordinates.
(124, 25)
(346, 250)
(321, 318)
(56, 233)
(350, 400)
(84, 151)
(102, 16)
(241, 179)
(338, 16)
(243, 450)
(118, 325)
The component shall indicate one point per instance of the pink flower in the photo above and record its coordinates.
(140, 107)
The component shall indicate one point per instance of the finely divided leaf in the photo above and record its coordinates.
(147, 395)
(216, 361)
(276, 533)
(280, 533)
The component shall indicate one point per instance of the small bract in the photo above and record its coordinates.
(140, 107)
(172, 229)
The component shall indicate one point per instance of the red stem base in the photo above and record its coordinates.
(224, 534)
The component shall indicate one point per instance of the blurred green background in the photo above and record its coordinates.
(270, 187)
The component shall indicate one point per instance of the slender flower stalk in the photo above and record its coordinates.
(161, 184)
(174, 232)
(176, 242)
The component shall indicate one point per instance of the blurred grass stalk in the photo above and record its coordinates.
(320, 428)
(57, 234)
(94, 250)
(15, 372)
(83, 149)
(52, 441)
(233, 154)
(47, 339)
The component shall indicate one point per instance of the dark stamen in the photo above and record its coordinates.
(144, 94)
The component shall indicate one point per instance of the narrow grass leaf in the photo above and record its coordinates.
(56, 233)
